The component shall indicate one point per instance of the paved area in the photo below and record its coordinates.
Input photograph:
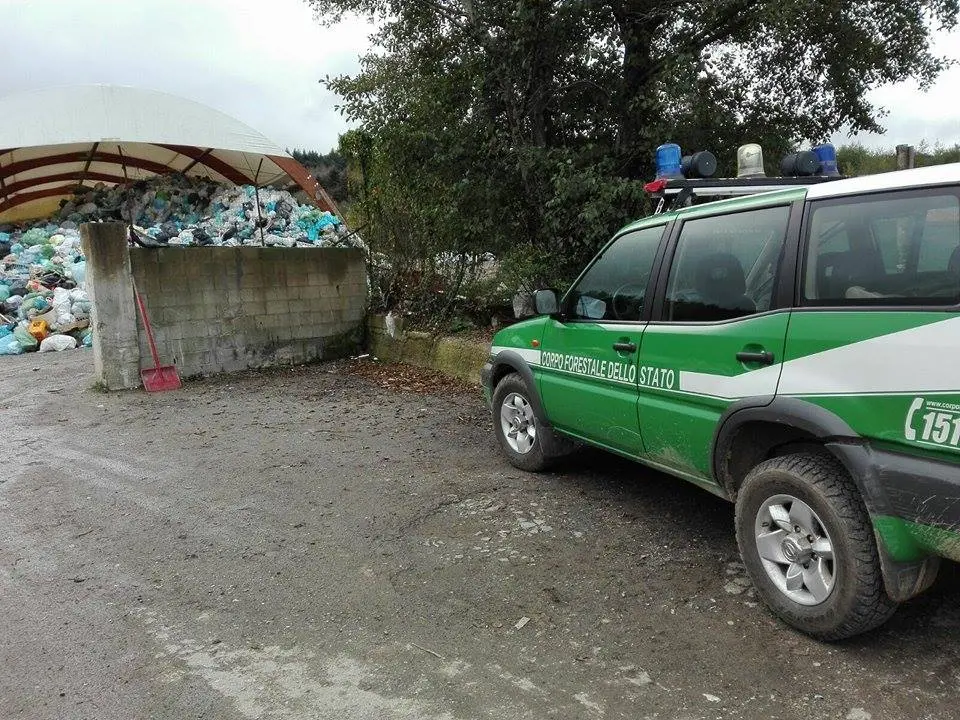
(306, 544)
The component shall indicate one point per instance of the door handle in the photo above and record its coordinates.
(764, 357)
(625, 347)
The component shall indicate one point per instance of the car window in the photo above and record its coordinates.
(724, 266)
(613, 288)
(904, 248)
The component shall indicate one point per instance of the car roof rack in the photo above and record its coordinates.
(675, 193)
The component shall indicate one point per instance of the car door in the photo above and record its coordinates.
(588, 379)
(717, 333)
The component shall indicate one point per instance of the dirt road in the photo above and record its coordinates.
(305, 544)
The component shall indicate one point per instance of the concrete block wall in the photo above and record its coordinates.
(219, 309)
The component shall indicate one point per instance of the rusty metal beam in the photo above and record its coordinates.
(20, 185)
(212, 162)
(302, 177)
(194, 162)
(34, 163)
(86, 167)
(22, 198)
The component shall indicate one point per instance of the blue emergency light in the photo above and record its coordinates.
(669, 161)
(827, 154)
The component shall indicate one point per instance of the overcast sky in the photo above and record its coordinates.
(260, 61)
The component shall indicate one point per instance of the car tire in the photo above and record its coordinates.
(521, 434)
(823, 577)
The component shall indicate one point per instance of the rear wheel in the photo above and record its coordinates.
(808, 545)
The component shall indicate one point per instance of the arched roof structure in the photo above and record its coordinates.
(56, 140)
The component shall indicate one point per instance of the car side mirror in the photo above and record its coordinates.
(541, 302)
(545, 302)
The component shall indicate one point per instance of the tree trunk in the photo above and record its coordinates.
(637, 24)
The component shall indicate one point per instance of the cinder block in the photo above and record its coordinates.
(149, 285)
(230, 291)
(357, 307)
(297, 275)
(257, 325)
(324, 306)
(195, 270)
(178, 292)
(314, 305)
(281, 333)
(145, 266)
(329, 291)
(168, 316)
(274, 274)
(198, 363)
(253, 307)
(250, 295)
(250, 274)
(305, 327)
(339, 304)
(212, 310)
(273, 293)
(278, 307)
(196, 329)
(210, 294)
(321, 317)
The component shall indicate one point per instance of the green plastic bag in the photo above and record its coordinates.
(26, 340)
(34, 236)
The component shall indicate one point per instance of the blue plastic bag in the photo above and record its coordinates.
(10, 346)
(79, 272)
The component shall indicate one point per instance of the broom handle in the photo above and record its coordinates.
(146, 325)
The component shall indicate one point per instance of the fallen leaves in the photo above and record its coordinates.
(406, 378)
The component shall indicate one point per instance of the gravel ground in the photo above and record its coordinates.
(307, 543)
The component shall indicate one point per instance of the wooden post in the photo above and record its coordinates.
(906, 157)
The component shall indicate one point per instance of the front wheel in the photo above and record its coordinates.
(515, 423)
(807, 543)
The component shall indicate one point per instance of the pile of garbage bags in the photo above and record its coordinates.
(43, 303)
(180, 210)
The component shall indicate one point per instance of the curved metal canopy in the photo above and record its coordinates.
(58, 140)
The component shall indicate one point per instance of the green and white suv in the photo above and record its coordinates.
(795, 351)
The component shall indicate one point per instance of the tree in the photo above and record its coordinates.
(329, 170)
(525, 128)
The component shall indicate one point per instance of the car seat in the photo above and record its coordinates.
(953, 266)
(721, 283)
(835, 274)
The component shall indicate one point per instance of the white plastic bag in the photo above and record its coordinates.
(57, 343)
(61, 306)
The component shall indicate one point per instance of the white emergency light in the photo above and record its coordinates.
(750, 161)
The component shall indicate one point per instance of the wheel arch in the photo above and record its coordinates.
(754, 430)
(506, 362)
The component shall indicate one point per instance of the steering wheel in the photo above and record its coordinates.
(627, 301)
